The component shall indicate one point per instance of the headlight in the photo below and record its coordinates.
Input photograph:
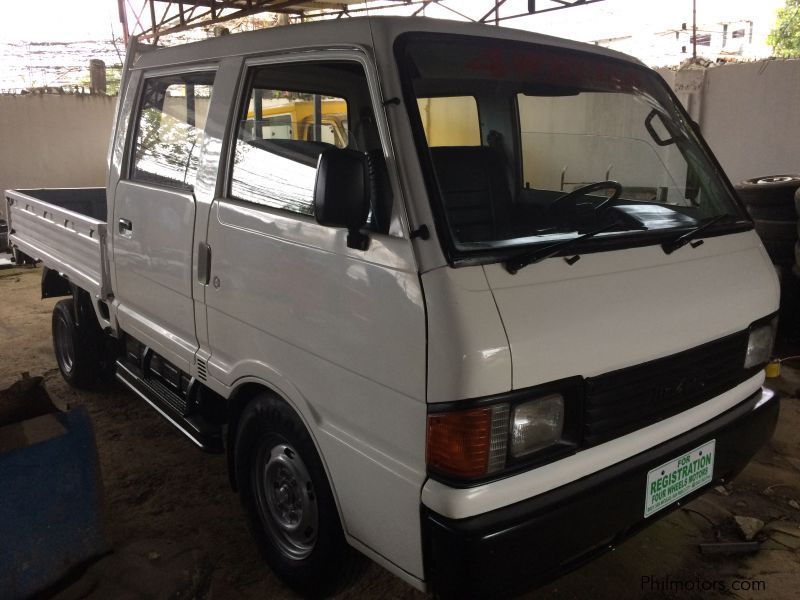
(759, 345)
(536, 424)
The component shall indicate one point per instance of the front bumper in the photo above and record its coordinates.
(533, 541)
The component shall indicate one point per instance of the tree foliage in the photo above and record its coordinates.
(785, 36)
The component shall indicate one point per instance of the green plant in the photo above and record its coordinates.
(785, 36)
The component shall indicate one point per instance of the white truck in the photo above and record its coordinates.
(514, 315)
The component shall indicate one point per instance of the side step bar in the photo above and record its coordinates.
(166, 402)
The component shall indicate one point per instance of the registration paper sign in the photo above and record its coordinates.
(678, 477)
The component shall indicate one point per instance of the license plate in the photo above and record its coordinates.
(678, 477)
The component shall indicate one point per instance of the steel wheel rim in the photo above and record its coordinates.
(776, 179)
(66, 351)
(286, 500)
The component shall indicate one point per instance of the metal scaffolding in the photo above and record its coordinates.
(151, 19)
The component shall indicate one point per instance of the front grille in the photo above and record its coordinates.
(628, 399)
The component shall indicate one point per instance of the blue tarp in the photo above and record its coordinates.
(50, 507)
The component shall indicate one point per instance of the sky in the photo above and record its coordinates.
(59, 20)
(649, 23)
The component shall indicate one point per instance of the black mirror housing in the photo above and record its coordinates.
(342, 192)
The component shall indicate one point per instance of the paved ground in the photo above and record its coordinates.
(178, 531)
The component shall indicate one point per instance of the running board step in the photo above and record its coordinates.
(171, 406)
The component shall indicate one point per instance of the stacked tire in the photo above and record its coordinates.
(774, 204)
(770, 201)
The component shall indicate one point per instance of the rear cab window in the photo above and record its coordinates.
(169, 129)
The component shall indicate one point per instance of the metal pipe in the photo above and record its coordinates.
(123, 19)
(694, 30)
(258, 117)
(317, 118)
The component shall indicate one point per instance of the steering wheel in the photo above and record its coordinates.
(586, 189)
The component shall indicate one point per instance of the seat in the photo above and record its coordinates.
(474, 186)
(306, 153)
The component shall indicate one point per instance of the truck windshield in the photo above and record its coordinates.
(527, 144)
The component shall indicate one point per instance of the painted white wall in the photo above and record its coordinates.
(593, 137)
(54, 141)
(747, 113)
(751, 119)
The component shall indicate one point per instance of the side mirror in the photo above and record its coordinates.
(342, 193)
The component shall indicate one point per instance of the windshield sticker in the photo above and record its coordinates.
(540, 65)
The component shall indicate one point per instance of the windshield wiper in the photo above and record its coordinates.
(679, 242)
(515, 263)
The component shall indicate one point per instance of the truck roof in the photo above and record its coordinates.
(357, 31)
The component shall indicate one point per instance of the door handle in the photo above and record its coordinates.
(203, 263)
(125, 228)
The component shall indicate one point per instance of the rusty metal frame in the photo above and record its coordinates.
(151, 19)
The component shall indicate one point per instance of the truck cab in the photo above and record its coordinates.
(506, 313)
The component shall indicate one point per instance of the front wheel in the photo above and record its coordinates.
(289, 503)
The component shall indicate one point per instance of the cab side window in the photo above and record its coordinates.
(290, 114)
(169, 129)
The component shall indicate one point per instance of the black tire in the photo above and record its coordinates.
(797, 254)
(770, 189)
(779, 238)
(776, 231)
(76, 348)
(277, 466)
(785, 211)
(797, 201)
(789, 316)
(781, 253)
(3, 236)
(20, 258)
(770, 197)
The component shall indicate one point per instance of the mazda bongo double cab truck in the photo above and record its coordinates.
(519, 316)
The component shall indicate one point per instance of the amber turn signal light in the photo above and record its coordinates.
(458, 442)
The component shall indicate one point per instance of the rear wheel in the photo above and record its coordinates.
(76, 348)
(20, 258)
(289, 503)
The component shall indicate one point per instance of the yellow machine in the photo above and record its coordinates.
(294, 120)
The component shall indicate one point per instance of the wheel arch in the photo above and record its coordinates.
(56, 285)
(244, 390)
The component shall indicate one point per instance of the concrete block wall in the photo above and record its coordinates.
(54, 140)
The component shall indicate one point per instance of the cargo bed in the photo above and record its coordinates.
(66, 230)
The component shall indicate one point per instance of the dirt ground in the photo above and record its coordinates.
(178, 532)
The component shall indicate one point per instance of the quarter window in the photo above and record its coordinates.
(169, 131)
